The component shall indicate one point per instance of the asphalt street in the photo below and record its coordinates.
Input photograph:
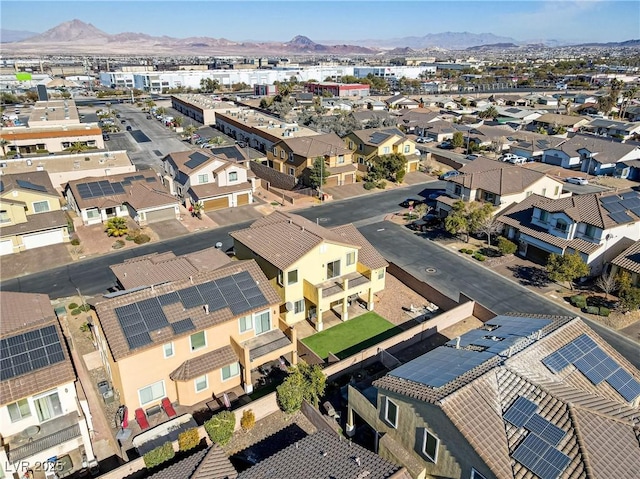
(453, 273)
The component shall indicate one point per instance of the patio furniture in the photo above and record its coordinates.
(168, 408)
(141, 418)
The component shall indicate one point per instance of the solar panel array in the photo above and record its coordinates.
(30, 351)
(30, 186)
(378, 137)
(520, 411)
(446, 363)
(98, 189)
(540, 457)
(595, 364)
(238, 292)
(618, 206)
(196, 159)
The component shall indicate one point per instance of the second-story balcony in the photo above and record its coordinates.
(343, 285)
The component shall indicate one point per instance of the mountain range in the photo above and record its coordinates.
(78, 37)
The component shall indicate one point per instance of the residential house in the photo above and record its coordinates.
(209, 463)
(532, 145)
(415, 121)
(591, 154)
(30, 213)
(296, 157)
(629, 262)
(401, 102)
(374, 142)
(632, 113)
(43, 414)
(138, 195)
(498, 183)
(332, 104)
(517, 115)
(629, 170)
(210, 180)
(588, 109)
(615, 129)
(555, 120)
(303, 100)
(445, 102)
(375, 118)
(324, 454)
(315, 270)
(195, 338)
(584, 98)
(55, 138)
(590, 224)
(521, 396)
(439, 130)
(487, 136)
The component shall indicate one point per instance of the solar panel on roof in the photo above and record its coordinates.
(610, 199)
(190, 297)
(169, 298)
(138, 177)
(614, 207)
(630, 203)
(226, 281)
(621, 217)
(118, 189)
(377, 138)
(139, 340)
(183, 326)
(239, 307)
(540, 457)
(555, 362)
(625, 384)
(30, 186)
(630, 194)
(545, 429)
(520, 411)
(30, 351)
(150, 179)
(195, 160)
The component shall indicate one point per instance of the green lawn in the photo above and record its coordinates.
(352, 336)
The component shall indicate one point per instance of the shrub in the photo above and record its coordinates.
(75, 242)
(468, 251)
(381, 184)
(604, 311)
(479, 257)
(85, 307)
(463, 250)
(505, 246)
(592, 310)
(188, 439)
(369, 185)
(400, 175)
(76, 312)
(118, 244)
(160, 454)
(141, 239)
(72, 306)
(578, 301)
(220, 427)
(84, 327)
(248, 420)
(42, 151)
(130, 238)
(289, 395)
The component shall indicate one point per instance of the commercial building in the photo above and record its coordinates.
(338, 89)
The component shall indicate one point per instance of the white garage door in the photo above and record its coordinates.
(6, 247)
(42, 239)
(161, 215)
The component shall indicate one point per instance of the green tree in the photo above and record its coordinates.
(149, 103)
(567, 267)
(209, 85)
(458, 139)
(178, 121)
(220, 427)
(318, 174)
(490, 112)
(466, 218)
(505, 246)
(630, 298)
(304, 382)
(389, 166)
(189, 130)
(116, 226)
(77, 147)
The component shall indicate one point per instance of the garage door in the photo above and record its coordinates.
(413, 166)
(348, 179)
(537, 255)
(332, 181)
(243, 199)
(160, 215)
(6, 247)
(216, 204)
(38, 240)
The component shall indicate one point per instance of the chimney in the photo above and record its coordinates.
(458, 342)
(191, 279)
(357, 460)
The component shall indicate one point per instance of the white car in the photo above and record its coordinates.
(576, 180)
(507, 157)
(424, 140)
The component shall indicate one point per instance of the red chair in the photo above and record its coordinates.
(168, 407)
(141, 417)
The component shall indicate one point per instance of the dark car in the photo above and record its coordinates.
(428, 221)
(445, 145)
(118, 115)
(434, 194)
(106, 137)
(149, 117)
(241, 144)
(123, 121)
(129, 128)
(410, 202)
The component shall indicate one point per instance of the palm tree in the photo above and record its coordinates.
(116, 227)
(161, 111)
(627, 97)
(178, 121)
(150, 103)
(490, 112)
(189, 131)
(217, 140)
(77, 147)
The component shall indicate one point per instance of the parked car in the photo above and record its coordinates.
(149, 117)
(472, 157)
(426, 222)
(424, 140)
(106, 137)
(241, 144)
(576, 180)
(434, 194)
(507, 157)
(123, 121)
(410, 202)
(445, 145)
(449, 174)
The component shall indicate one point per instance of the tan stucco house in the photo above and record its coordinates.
(375, 142)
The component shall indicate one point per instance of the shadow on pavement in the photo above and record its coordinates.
(535, 276)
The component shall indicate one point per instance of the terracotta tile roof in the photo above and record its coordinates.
(322, 455)
(283, 238)
(563, 120)
(179, 158)
(482, 164)
(211, 190)
(328, 144)
(502, 181)
(367, 255)
(629, 259)
(211, 463)
(20, 313)
(608, 151)
(386, 133)
(157, 268)
(40, 179)
(205, 363)
(37, 222)
(336, 170)
(233, 153)
(113, 331)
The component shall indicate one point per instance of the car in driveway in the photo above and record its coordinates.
(411, 202)
(435, 194)
(129, 128)
(576, 180)
(427, 221)
(424, 140)
(445, 145)
(449, 174)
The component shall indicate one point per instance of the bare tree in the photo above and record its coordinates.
(607, 282)
(488, 226)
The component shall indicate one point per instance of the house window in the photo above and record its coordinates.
(168, 350)
(561, 225)
(291, 157)
(19, 410)
(476, 475)
(246, 324)
(350, 145)
(93, 213)
(198, 341)
(48, 406)
(556, 191)
(233, 176)
(282, 154)
(386, 150)
(41, 206)
(391, 412)
(544, 192)
(275, 151)
(201, 383)
(292, 171)
(340, 159)
(590, 232)
(381, 273)
(298, 306)
(407, 148)
(4, 216)
(544, 216)
(457, 190)
(280, 279)
(262, 322)
(489, 197)
(202, 179)
(360, 147)
(151, 393)
(292, 277)
(430, 445)
(333, 269)
(230, 371)
(351, 258)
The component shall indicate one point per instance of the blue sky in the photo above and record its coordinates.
(264, 20)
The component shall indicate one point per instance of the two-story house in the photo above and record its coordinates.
(194, 338)
(296, 157)
(313, 269)
(210, 180)
(593, 225)
(498, 183)
(369, 144)
(44, 427)
(554, 120)
(30, 213)
(615, 129)
(138, 195)
(524, 396)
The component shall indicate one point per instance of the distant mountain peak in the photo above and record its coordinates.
(72, 30)
(302, 41)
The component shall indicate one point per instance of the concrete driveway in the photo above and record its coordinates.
(34, 260)
(168, 229)
(238, 214)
